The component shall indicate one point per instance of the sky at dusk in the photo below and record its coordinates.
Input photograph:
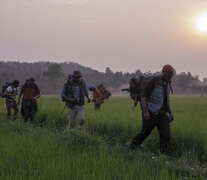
(124, 35)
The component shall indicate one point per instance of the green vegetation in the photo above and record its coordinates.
(46, 150)
(51, 77)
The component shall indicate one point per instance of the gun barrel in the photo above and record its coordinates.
(126, 89)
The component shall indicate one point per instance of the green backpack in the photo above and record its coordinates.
(136, 86)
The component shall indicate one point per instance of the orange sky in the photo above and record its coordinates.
(125, 35)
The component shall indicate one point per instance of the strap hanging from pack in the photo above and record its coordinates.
(171, 87)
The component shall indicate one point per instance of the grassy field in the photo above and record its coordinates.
(45, 149)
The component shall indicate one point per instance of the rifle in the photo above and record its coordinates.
(126, 89)
(135, 96)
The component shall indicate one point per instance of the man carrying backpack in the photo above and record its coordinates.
(73, 93)
(106, 94)
(10, 94)
(30, 92)
(98, 97)
(155, 106)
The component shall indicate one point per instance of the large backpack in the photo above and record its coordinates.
(3, 89)
(104, 91)
(136, 86)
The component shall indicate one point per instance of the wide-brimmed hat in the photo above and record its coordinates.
(77, 74)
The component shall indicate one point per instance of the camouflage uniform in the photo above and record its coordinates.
(11, 103)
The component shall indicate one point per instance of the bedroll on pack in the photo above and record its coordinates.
(104, 91)
(136, 85)
(3, 89)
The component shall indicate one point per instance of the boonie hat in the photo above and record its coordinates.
(77, 74)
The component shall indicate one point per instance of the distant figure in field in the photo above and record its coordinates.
(70, 76)
(10, 94)
(73, 93)
(98, 97)
(155, 106)
(106, 94)
(30, 92)
(99, 94)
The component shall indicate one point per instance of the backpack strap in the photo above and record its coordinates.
(68, 86)
(171, 87)
(158, 83)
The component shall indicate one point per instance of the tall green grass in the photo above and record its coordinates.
(44, 149)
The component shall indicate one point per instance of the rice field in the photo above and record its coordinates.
(45, 149)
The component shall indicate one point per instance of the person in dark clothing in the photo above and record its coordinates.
(156, 109)
(73, 93)
(30, 92)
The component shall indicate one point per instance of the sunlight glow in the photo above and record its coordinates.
(201, 23)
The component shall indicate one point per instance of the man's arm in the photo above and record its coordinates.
(145, 110)
(63, 93)
(169, 109)
(38, 93)
(171, 117)
(86, 91)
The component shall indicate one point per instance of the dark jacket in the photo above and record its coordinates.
(68, 91)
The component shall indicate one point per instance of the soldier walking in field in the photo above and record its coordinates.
(73, 93)
(10, 94)
(156, 110)
(98, 97)
(30, 92)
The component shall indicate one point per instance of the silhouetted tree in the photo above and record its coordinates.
(51, 76)
(55, 75)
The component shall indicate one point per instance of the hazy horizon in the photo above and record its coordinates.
(123, 35)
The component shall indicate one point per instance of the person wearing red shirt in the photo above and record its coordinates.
(30, 92)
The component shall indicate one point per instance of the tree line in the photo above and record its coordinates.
(52, 76)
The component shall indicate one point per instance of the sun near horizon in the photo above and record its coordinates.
(201, 23)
